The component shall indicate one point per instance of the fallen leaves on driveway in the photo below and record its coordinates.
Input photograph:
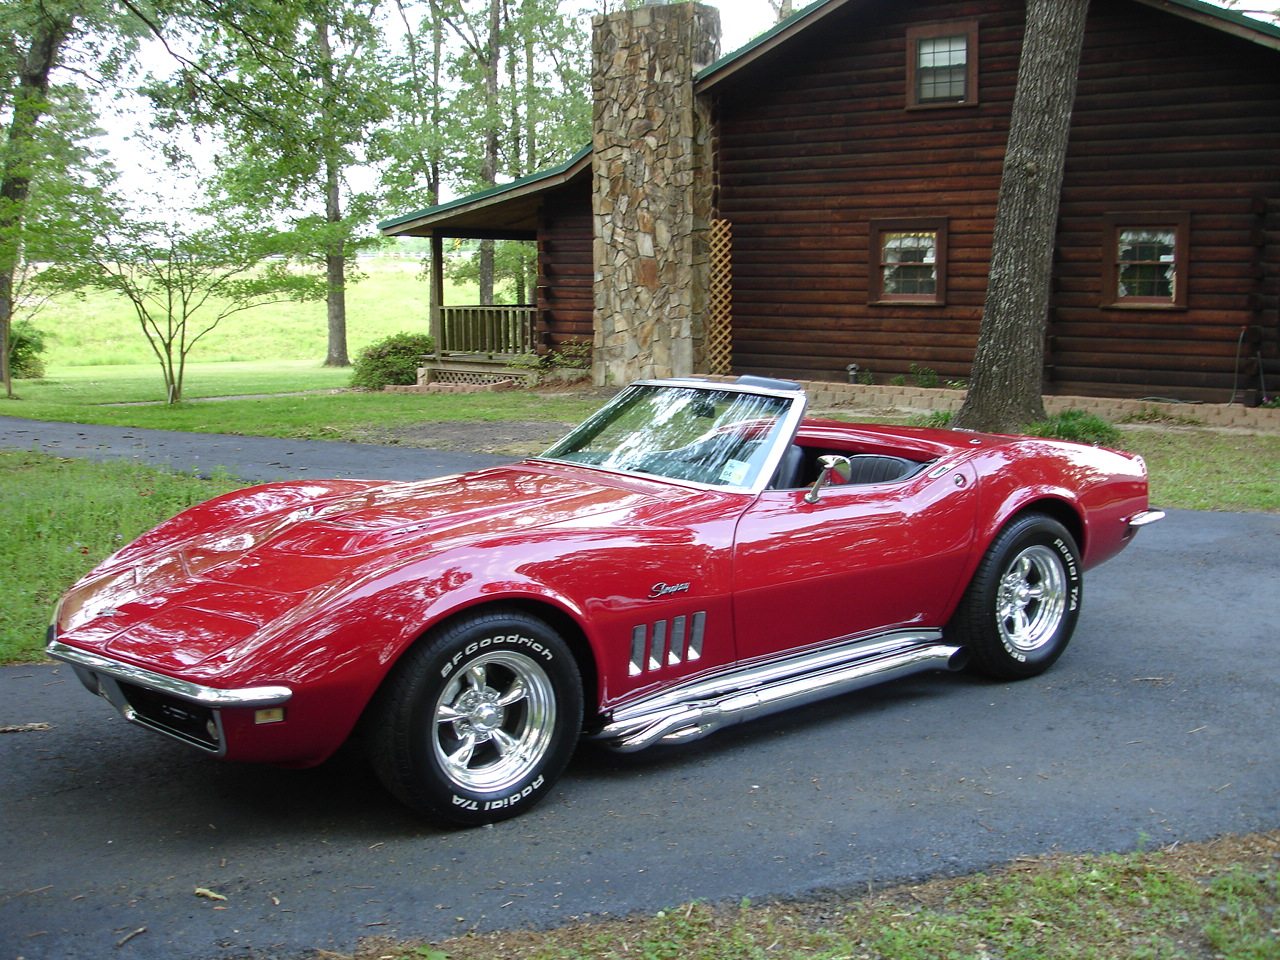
(25, 727)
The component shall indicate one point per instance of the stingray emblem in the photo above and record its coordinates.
(660, 590)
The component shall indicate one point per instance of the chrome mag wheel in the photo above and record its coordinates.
(494, 722)
(479, 718)
(1021, 607)
(1031, 599)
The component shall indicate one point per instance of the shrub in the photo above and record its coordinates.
(26, 343)
(571, 355)
(392, 361)
(1076, 425)
(925, 377)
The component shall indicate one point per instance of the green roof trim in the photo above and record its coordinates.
(760, 41)
(1229, 16)
(819, 8)
(549, 174)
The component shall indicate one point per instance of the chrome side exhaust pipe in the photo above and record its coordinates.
(743, 695)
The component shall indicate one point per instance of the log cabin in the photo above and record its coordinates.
(822, 200)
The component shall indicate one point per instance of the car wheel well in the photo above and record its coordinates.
(557, 619)
(1058, 510)
(575, 639)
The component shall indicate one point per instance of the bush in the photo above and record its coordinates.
(1077, 425)
(925, 377)
(392, 361)
(572, 354)
(26, 343)
(559, 363)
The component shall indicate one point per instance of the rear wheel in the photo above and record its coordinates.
(479, 720)
(1020, 609)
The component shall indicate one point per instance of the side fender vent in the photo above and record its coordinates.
(667, 643)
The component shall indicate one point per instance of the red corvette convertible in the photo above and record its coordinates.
(694, 555)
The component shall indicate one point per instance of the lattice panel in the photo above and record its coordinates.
(720, 300)
(468, 376)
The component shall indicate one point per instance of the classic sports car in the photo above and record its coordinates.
(694, 555)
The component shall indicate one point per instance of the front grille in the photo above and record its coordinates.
(186, 721)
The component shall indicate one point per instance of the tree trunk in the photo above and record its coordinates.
(335, 259)
(335, 268)
(29, 105)
(489, 169)
(1008, 368)
(437, 138)
(529, 264)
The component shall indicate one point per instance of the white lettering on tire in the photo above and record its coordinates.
(515, 640)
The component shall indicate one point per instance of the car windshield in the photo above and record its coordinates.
(704, 435)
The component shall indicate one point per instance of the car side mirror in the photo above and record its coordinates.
(834, 470)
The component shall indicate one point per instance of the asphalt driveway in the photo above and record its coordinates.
(1161, 723)
(253, 459)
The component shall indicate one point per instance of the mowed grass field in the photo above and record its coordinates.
(100, 368)
(102, 330)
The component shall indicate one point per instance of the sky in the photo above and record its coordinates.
(741, 20)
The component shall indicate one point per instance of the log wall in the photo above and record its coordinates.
(565, 270)
(1170, 117)
(816, 143)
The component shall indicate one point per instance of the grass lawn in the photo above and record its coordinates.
(101, 329)
(1197, 469)
(60, 517)
(1216, 900)
(67, 390)
(96, 395)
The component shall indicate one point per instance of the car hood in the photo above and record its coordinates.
(254, 555)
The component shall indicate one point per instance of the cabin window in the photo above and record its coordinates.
(942, 64)
(1145, 262)
(908, 261)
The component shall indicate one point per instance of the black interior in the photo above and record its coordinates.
(799, 467)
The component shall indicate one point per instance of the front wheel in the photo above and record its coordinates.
(478, 721)
(1020, 609)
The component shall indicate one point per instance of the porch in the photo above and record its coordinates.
(477, 343)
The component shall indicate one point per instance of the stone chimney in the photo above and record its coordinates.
(652, 190)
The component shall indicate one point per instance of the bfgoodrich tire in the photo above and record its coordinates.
(478, 720)
(1021, 607)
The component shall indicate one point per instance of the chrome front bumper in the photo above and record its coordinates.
(185, 711)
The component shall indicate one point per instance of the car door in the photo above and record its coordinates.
(862, 559)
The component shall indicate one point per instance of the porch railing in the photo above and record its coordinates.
(487, 331)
